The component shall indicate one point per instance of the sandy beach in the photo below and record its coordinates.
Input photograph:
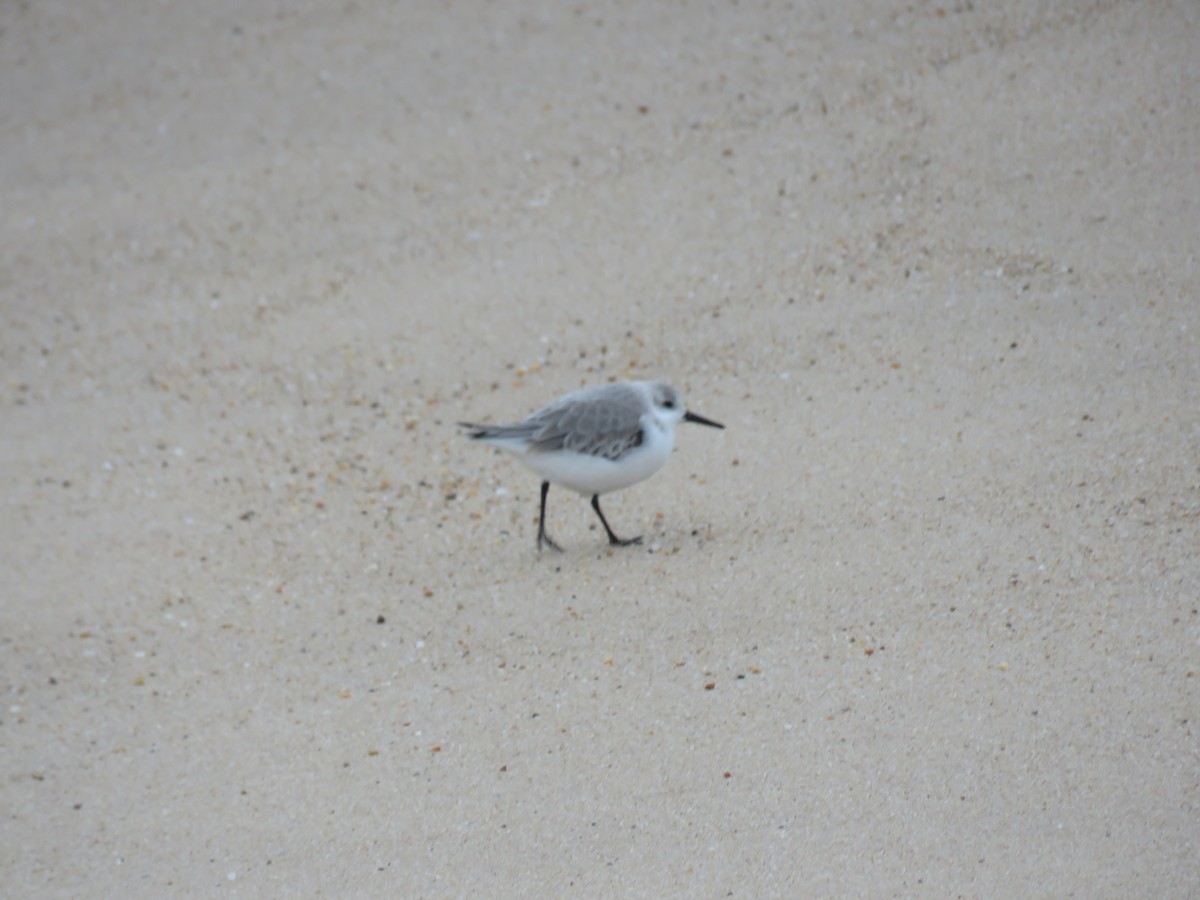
(924, 620)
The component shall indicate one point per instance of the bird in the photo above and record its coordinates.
(595, 441)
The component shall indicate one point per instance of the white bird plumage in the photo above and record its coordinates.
(595, 441)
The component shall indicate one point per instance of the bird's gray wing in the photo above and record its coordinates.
(607, 427)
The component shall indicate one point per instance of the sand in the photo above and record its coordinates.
(923, 621)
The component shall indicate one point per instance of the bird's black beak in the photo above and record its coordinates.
(700, 420)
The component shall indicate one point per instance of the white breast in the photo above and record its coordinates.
(589, 475)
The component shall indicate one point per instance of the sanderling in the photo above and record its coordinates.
(595, 441)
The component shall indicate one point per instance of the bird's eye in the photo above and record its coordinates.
(668, 404)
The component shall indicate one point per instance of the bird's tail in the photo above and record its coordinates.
(498, 432)
(509, 437)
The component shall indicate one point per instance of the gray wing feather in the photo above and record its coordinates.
(607, 426)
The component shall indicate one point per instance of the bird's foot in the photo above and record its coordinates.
(625, 542)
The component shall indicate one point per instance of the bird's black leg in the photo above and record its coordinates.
(542, 537)
(612, 538)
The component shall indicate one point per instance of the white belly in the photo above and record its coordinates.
(589, 475)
